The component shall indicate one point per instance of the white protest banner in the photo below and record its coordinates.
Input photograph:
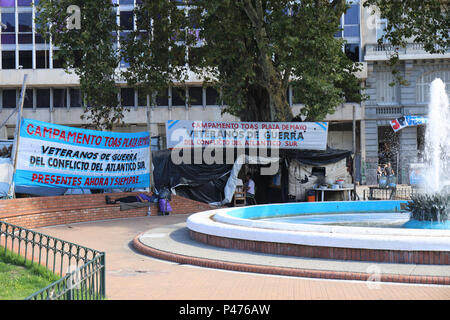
(58, 156)
(283, 135)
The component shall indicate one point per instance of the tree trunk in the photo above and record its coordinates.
(265, 106)
(273, 105)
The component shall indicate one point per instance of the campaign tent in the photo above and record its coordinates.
(216, 183)
(308, 169)
(201, 182)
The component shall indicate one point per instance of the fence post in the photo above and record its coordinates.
(103, 276)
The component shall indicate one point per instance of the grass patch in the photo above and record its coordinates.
(20, 278)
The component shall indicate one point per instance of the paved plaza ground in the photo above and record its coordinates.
(132, 275)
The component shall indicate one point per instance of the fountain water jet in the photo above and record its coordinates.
(431, 208)
(437, 139)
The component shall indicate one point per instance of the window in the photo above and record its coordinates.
(196, 96)
(387, 89)
(75, 98)
(352, 51)
(350, 26)
(7, 3)
(8, 33)
(24, 3)
(60, 98)
(57, 62)
(42, 98)
(424, 82)
(127, 97)
(381, 28)
(126, 20)
(26, 59)
(9, 20)
(8, 59)
(42, 59)
(38, 38)
(351, 21)
(162, 98)
(28, 101)
(211, 96)
(178, 96)
(142, 99)
(25, 28)
(9, 98)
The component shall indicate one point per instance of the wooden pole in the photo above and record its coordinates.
(11, 192)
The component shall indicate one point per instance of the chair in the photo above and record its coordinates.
(239, 196)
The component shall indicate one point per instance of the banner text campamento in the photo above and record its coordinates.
(85, 139)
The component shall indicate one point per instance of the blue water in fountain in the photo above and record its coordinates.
(357, 219)
(378, 219)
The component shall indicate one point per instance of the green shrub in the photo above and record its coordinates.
(426, 207)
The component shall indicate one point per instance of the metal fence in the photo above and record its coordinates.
(376, 193)
(82, 270)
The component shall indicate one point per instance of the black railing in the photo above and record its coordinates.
(390, 193)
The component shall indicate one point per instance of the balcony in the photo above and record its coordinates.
(37, 77)
(377, 52)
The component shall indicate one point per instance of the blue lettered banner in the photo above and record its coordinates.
(58, 156)
(283, 135)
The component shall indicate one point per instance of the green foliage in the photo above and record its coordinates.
(434, 207)
(422, 22)
(250, 50)
(253, 50)
(90, 52)
(156, 51)
(19, 279)
(425, 22)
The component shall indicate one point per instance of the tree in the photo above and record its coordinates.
(250, 50)
(156, 50)
(89, 50)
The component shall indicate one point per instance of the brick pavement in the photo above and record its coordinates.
(131, 275)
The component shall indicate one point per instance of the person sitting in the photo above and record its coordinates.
(380, 173)
(249, 189)
(141, 197)
(388, 171)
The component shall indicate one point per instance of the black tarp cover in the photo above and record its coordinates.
(206, 183)
(201, 182)
(314, 157)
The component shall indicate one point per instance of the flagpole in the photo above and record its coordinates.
(151, 182)
(14, 152)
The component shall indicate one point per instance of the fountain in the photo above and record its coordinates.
(376, 230)
(430, 209)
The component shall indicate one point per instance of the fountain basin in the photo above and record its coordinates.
(243, 228)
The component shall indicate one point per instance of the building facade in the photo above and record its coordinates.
(54, 96)
(388, 99)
